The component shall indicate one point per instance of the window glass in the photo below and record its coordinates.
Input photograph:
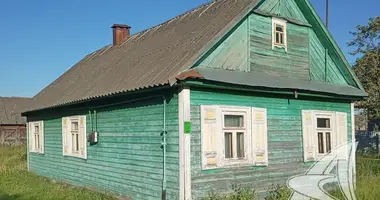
(323, 123)
(36, 141)
(77, 142)
(228, 145)
(320, 143)
(328, 142)
(240, 145)
(234, 121)
(279, 28)
(277, 38)
(74, 126)
(36, 129)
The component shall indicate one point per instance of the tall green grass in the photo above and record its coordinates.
(16, 183)
(367, 178)
(367, 184)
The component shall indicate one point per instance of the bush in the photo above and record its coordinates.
(275, 192)
(278, 192)
(239, 193)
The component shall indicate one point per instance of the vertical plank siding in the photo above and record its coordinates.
(231, 53)
(128, 159)
(287, 9)
(284, 140)
(317, 63)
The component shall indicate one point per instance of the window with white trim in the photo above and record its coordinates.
(233, 136)
(279, 37)
(324, 133)
(36, 136)
(234, 126)
(74, 136)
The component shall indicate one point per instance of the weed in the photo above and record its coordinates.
(278, 192)
(239, 193)
(17, 183)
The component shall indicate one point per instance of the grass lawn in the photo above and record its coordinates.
(17, 184)
(367, 179)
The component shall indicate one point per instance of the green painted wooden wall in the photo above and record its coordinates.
(128, 158)
(284, 139)
(318, 60)
(232, 52)
(326, 39)
(248, 47)
(285, 8)
(291, 64)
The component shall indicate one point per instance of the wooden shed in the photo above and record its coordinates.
(12, 124)
(248, 92)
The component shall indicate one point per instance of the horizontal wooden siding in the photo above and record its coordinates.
(284, 140)
(128, 159)
(291, 64)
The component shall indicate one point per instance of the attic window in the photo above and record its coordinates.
(279, 34)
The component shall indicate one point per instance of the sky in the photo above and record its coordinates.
(40, 40)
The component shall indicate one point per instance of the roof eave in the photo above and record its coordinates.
(219, 76)
(332, 41)
(110, 95)
(203, 83)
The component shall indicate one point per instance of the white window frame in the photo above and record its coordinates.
(331, 130)
(246, 129)
(213, 146)
(82, 136)
(75, 148)
(276, 21)
(310, 134)
(36, 146)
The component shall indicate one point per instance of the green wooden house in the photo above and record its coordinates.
(247, 92)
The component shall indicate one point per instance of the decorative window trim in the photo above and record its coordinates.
(322, 132)
(77, 136)
(36, 146)
(213, 137)
(276, 21)
(311, 133)
(246, 130)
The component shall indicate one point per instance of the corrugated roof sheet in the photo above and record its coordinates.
(10, 108)
(147, 59)
(267, 81)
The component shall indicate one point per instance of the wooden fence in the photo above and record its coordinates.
(369, 142)
(12, 134)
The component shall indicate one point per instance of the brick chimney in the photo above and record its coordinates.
(120, 33)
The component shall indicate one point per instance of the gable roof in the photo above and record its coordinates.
(154, 57)
(327, 39)
(146, 59)
(10, 109)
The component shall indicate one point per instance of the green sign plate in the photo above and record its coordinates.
(187, 127)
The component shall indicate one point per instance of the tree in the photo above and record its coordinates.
(367, 66)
